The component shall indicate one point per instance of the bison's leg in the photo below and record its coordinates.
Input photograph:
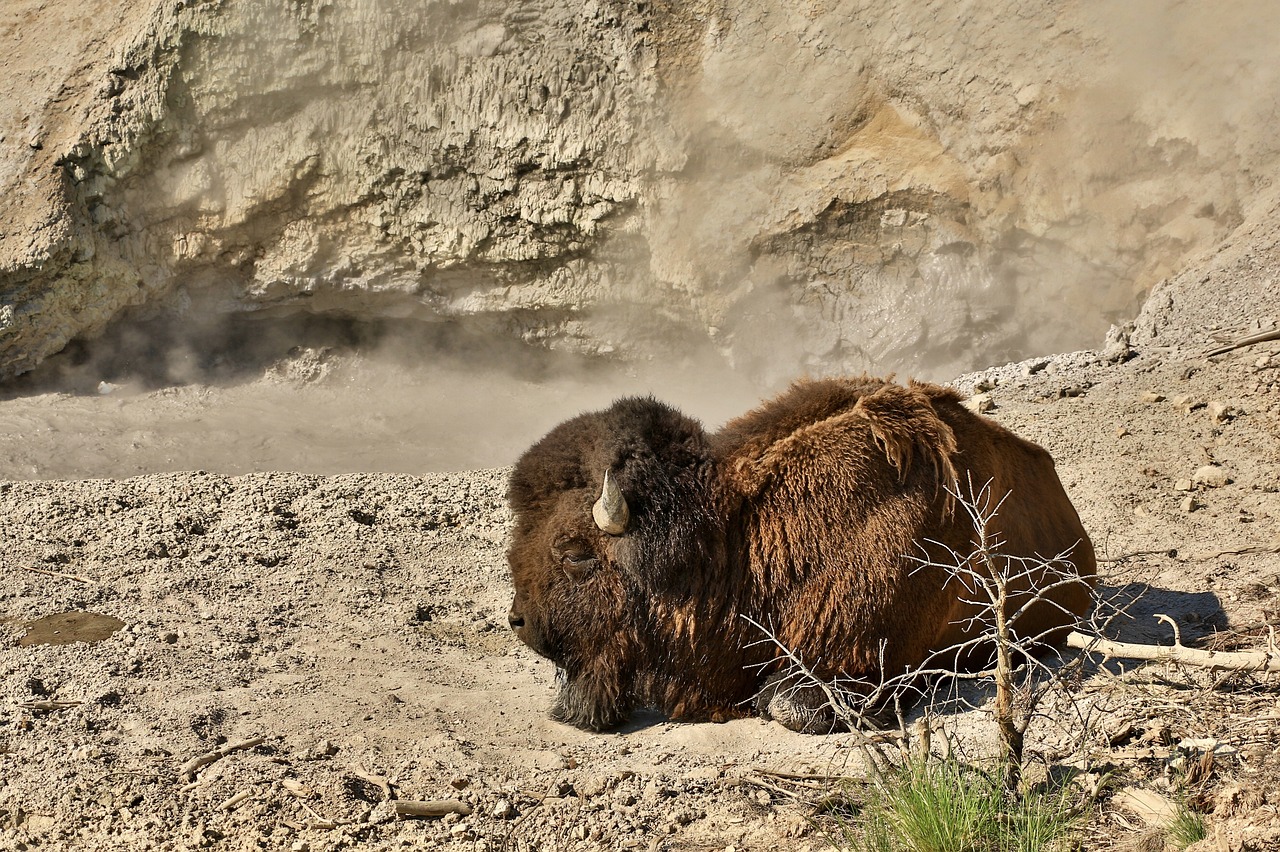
(796, 704)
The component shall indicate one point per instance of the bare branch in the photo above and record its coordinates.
(1239, 661)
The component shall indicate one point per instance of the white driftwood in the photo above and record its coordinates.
(432, 809)
(191, 767)
(1267, 660)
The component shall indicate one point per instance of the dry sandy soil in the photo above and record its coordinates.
(333, 641)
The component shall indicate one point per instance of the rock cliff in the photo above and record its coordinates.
(837, 185)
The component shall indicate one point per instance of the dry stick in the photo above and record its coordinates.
(1260, 337)
(195, 764)
(230, 804)
(1240, 661)
(432, 809)
(60, 575)
(317, 821)
(46, 706)
(1172, 553)
(808, 776)
(379, 781)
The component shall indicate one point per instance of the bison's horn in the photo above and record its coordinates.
(610, 511)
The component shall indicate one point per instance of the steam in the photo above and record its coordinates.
(935, 195)
(818, 188)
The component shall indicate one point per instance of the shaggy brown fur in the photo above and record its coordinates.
(800, 515)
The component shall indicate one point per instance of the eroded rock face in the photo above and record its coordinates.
(807, 186)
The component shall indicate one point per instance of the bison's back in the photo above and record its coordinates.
(1035, 520)
(838, 482)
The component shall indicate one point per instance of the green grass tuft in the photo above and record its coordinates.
(945, 806)
(1186, 827)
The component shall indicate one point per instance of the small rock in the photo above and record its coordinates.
(1070, 391)
(980, 403)
(1189, 504)
(1211, 476)
(1152, 396)
(1118, 346)
(1183, 485)
(504, 810)
(1122, 432)
(1027, 95)
(983, 385)
(592, 784)
(324, 748)
(1034, 367)
(459, 782)
(1221, 412)
(1187, 403)
(1153, 808)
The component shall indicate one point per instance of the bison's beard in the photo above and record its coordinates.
(591, 701)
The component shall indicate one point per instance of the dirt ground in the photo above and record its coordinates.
(265, 660)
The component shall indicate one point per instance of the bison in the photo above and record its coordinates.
(644, 547)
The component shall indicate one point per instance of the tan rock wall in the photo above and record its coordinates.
(893, 184)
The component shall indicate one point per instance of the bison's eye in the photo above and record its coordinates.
(576, 558)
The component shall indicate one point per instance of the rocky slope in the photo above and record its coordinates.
(821, 185)
(192, 660)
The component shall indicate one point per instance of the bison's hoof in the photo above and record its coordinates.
(795, 705)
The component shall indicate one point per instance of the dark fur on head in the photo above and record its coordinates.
(797, 515)
(584, 595)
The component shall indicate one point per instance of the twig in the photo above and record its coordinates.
(1260, 337)
(773, 788)
(1172, 553)
(230, 804)
(191, 767)
(809, 776)
(44, 706)
(379, 781)
(60, 575)
(433, 809)
(1177, 633)
(1264, 661)
(319, 822)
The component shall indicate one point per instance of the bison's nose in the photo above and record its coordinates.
(515, 619)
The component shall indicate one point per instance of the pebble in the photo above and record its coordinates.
(980, 403)
(504, 810)
(1188, 403)
(1211, 476)
(1152, 396)
(1183, 485)
(1221, 412)
(1189, 504)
